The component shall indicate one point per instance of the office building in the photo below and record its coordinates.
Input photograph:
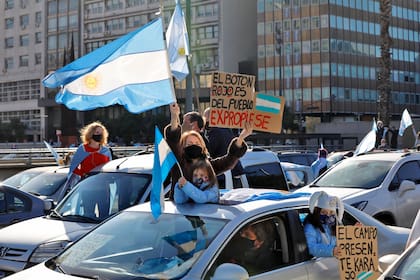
(323, 56)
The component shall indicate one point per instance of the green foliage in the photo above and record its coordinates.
(14, 131)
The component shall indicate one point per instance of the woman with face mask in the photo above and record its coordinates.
(91, 153)
(325, 213)
(190, 147)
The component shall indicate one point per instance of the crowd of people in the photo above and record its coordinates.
(203, 153)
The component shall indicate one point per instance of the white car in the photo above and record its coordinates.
(385, 185)
(190, 241)
(405, 266)
(112, 187)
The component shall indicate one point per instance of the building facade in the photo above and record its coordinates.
(323, 56)
(222, 35)
(22, 64)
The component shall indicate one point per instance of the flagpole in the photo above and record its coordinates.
(188, 95)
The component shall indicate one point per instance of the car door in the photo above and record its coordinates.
(407, 202)
(13, 207)
(275, 259)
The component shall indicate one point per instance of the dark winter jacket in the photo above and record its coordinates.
(220, 164)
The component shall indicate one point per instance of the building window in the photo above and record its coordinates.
(24, 21)
(38, 19)
(8, 42)
(10, 4)
(24, 40)
(23, 61)
(112, 5)
(74, 5)
(62, 6)
(38, 37)
(23, 4)
(9, 23)
(8, 63)
(38, 58)
(52, 8)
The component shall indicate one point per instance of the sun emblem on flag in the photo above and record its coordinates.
(181, 51)
(91, 81)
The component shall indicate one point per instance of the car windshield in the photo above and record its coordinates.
(356, 174)
(409, 268)
(99, 196)
(45, 184)
(21, 178)
(133, 245)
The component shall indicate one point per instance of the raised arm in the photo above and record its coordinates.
(175, 111)
(244, 133)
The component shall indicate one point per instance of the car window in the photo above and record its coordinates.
(370, 174)
(45, 184)
(11, 202)
(268, 175)
(136, 246)
(20, 178)
(259, 246)
(409, 268)
(296, 178)
(408, 171)
(103, 194)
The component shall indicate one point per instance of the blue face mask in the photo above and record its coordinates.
(197, 181)
(328, 220)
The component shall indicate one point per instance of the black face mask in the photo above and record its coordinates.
(193, 152)
(97, 138)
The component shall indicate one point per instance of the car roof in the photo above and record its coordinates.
(230, 211)
(133, 164)
(389, 155)
(258, 156)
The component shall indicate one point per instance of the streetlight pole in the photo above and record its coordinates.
(188, 94)
(279, 42)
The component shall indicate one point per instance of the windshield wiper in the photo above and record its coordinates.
(81, 218)
(313, 186)
(35, 193)
(54, 213)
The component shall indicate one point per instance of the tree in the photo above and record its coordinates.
(384, 82)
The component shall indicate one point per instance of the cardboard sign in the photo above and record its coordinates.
(233, 102)
(359, 252)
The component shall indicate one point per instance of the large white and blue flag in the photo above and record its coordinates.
(368, 142)
(178, 44)
(164, 160)
(132, 71)
(405, 122)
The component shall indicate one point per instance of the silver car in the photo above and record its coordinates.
(190, 241)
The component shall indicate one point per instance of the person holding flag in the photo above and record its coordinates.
(92, 152)
(190, 146)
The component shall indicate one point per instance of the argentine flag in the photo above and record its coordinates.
(164, 160)
(178, 44)
(132, 71)
(268, 103)
(368, 142)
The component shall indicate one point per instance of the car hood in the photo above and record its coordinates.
(42, 272)
(34, 231)
(343, 193)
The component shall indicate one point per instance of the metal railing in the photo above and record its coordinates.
(32, 157)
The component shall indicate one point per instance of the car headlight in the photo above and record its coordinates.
(360, 205)
(47, 250)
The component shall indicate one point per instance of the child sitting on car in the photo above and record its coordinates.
(202, 189)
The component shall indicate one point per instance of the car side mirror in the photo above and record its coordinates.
(406, 185)
(48, 205)
(230, 271)
(386, 261)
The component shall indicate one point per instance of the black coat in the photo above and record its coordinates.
(220, 164)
